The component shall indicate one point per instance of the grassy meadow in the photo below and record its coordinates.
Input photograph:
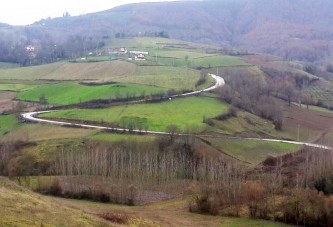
(15, 87)
(101, 71)
(245, 124)
(253, 151)
(183, 112)
(70, 92)
(8, 123)
(164, 76)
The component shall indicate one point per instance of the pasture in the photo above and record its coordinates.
(101, 71)
(164, 76)
(185, 113)
(201, 62)
(8, 123)
(179, 54)
(15, 87)
(71, 93)
(253, 151)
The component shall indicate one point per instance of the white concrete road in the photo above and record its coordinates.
(219, 82)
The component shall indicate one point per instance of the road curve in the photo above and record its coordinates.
(219, 82)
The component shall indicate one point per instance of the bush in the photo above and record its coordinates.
(208, 121)
(232, 112)
(131, 194)
(325, 185)
(55, 188)
(204, 204)
(253, 195)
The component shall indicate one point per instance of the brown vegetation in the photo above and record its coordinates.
(251, 93)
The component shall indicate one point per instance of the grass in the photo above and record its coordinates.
(245, 123)
(316, 108)
(203, 62)
(110, 137)
(101, 71)
(183, 112)
(24, 208)
(15, 87)
(253, 151)
(242, 222)
(220, 60)
(179, 54)
(21, 207)
(70, 92)
(323, 93)
(47, 132)
(164, 76)
(8, 123)
(171, 213)
(41, 132)
(169, 52)
(7, 65)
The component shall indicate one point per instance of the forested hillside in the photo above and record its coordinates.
(298, 29)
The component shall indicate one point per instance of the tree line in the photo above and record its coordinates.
(34, 47)
(119, 171)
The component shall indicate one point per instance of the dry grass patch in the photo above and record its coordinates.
(20, 207)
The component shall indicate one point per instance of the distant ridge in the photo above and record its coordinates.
(298, 29)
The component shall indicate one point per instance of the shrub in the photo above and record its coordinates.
(205, 204)
(253, 194)
(55, 188)
(325, 185)
(232, 112)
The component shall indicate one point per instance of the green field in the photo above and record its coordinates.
(179, 54)
(111, 137)
(183, 112)
(70, 92)
(163, 76)
(220, 60)
(8, 123)
(101, 71)
(116, 71)
(169, 52)
(253, 151)
(15, 87)
(203, 62)
(245, 123)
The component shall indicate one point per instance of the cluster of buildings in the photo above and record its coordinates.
(129, 55)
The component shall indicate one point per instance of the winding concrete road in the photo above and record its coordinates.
(219, 82)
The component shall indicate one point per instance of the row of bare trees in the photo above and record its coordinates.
(285, 189)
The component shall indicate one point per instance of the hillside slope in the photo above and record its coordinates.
(20, 207)
(298, 29)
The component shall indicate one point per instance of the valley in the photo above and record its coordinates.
(152, 131)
